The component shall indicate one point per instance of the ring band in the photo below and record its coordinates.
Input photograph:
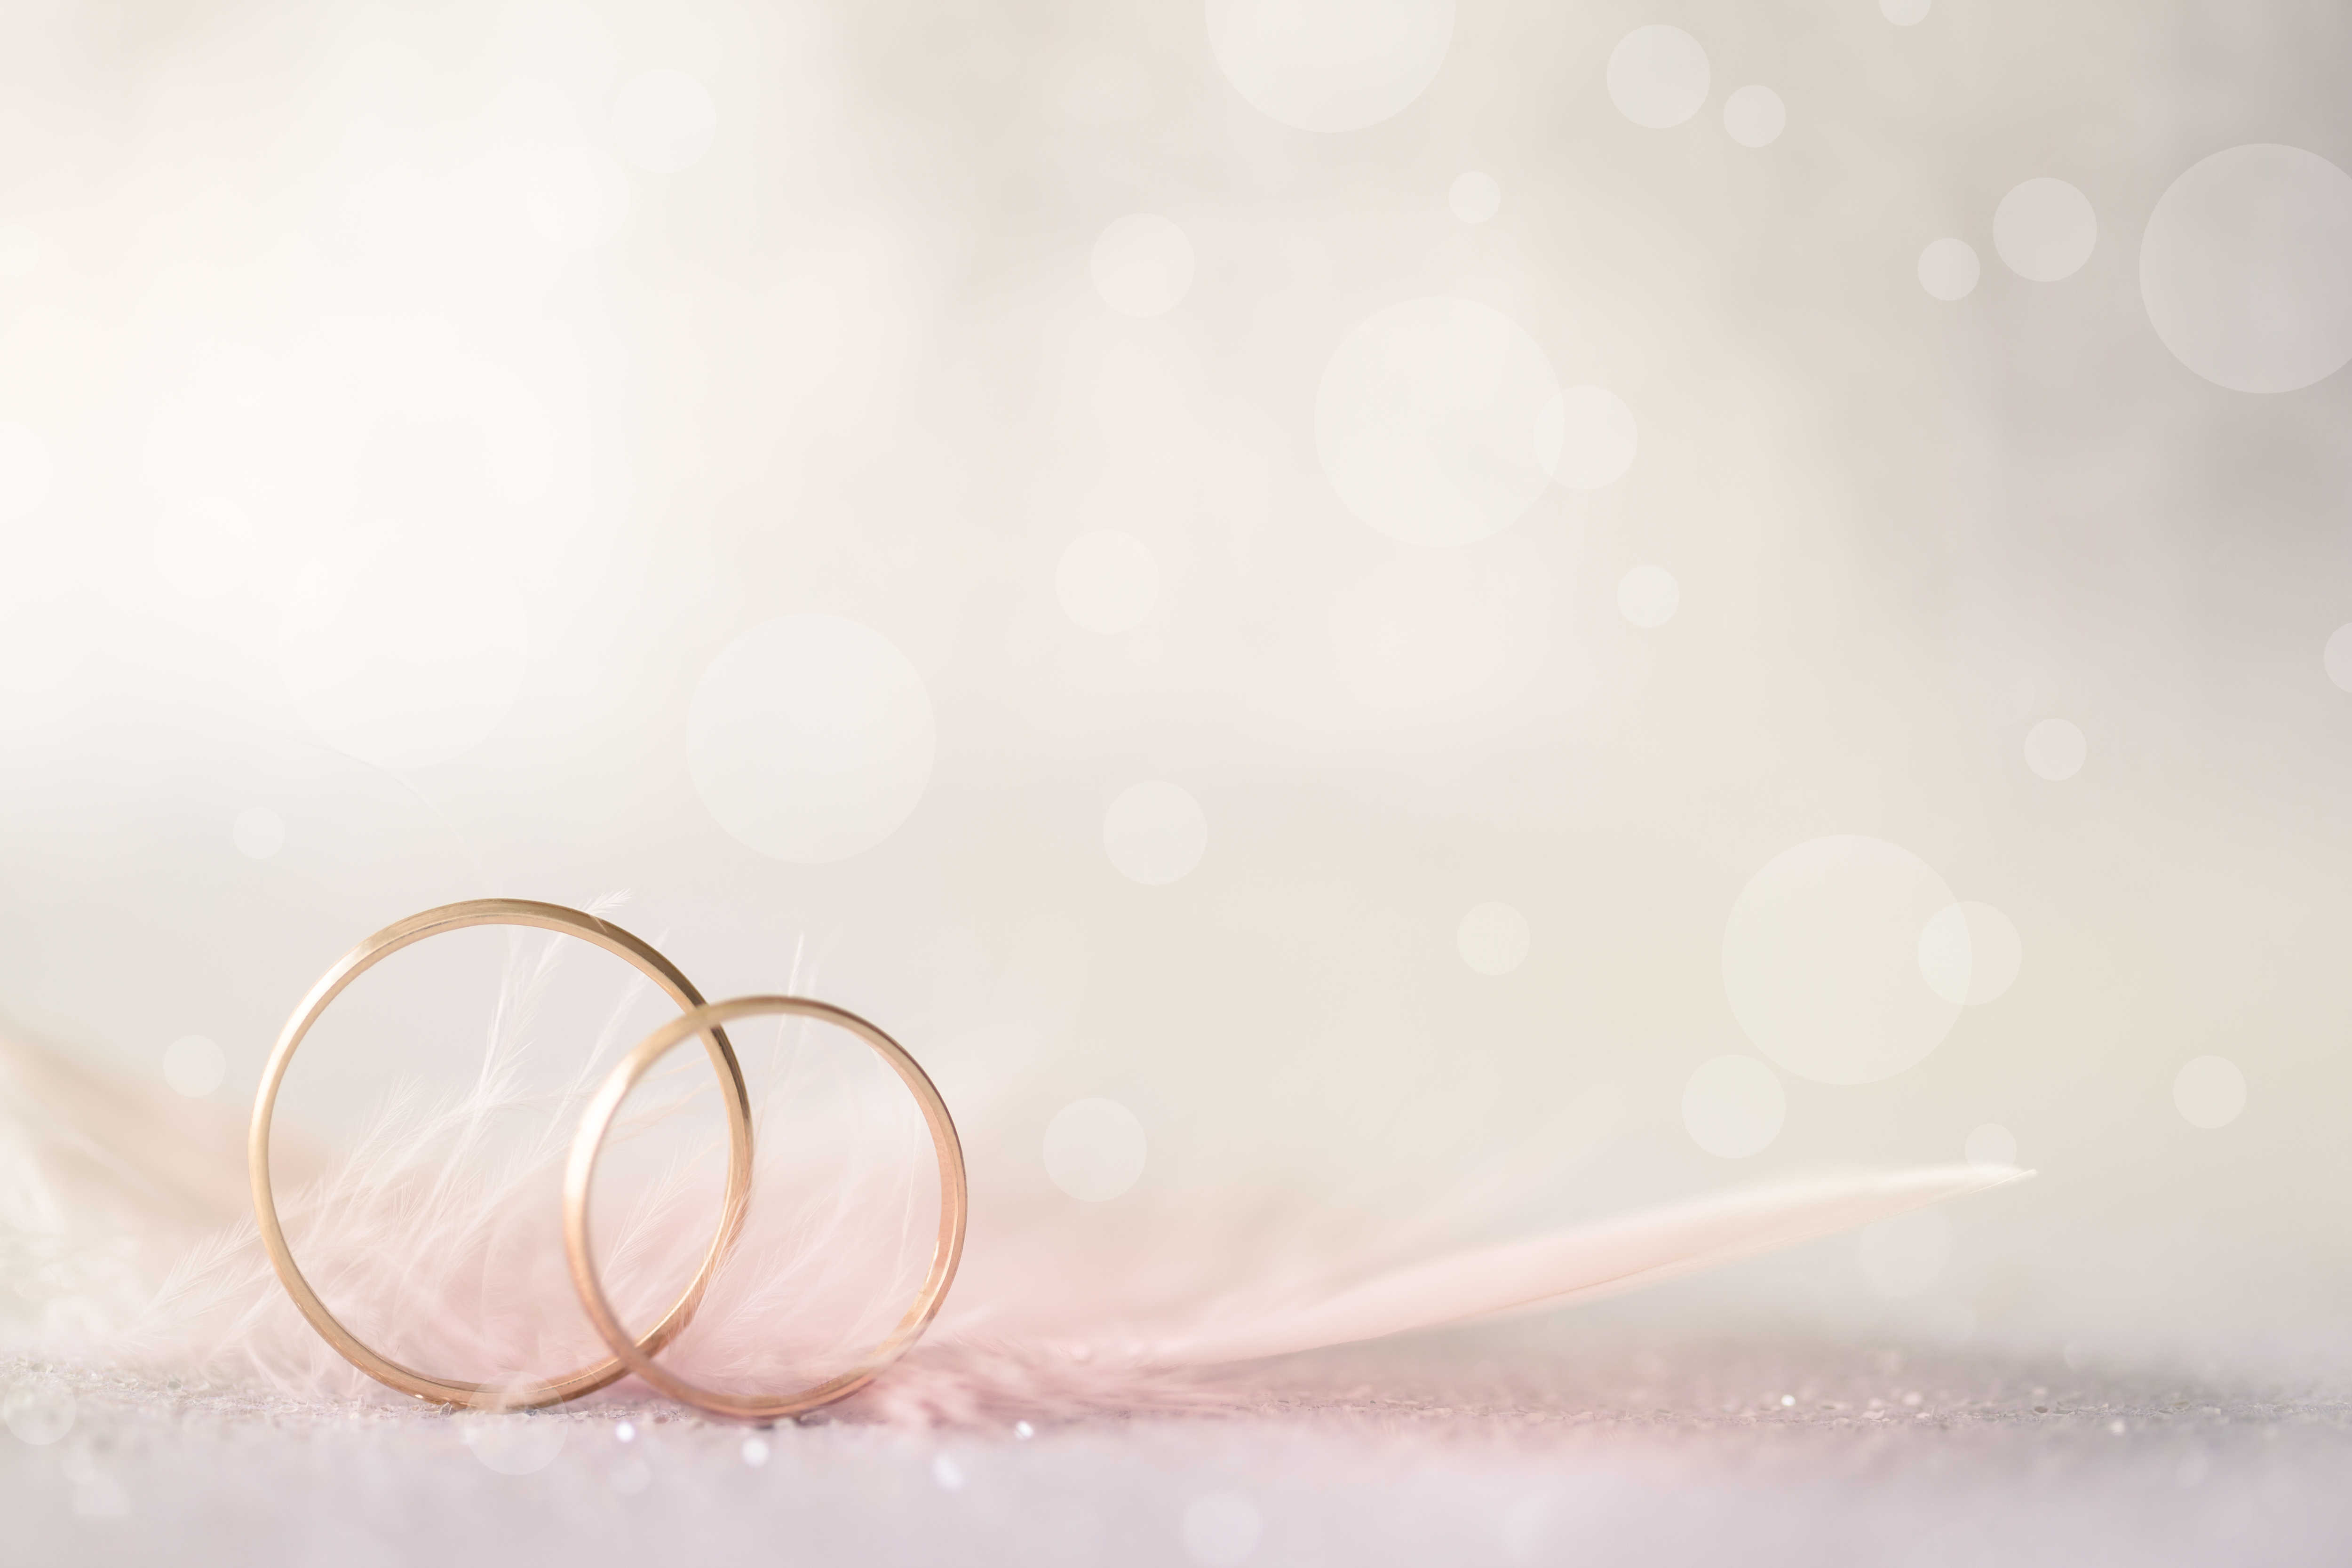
(649, 962)
(588, 1144)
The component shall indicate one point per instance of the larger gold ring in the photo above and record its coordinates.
(382, 945)
(638, 1356)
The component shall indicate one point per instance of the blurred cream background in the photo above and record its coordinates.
(948, 498)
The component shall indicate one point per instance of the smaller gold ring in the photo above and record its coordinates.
(589, 1141)
(649, 962)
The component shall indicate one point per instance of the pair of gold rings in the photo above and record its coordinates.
(706, 1020)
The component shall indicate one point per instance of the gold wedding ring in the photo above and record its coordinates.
(655, 967)
(637, 1355)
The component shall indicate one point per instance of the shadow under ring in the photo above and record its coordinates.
(589, 1142)
(640, 955)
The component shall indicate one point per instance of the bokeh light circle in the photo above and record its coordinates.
(664, 120)
(1493, 938)
(1733, 1107)
(810, 738)
(1948, 270)
(1586, 437)
(1095, 1150)
(410, 648)
(1658, 75)
(24, 471)
(2246, 268)
(514, 1444)
(1142, 265)
(578, 197)
(37, 1414)
(1754, 116)
(2337, 658)
(2045, 230)
(1107, 581)
(1821, 959)
(193, 1065)
(1474, 197)
(2209, 1092)
(1648, 596)
(259, 833)
(1903, 1256)
(2055, 749)
(1155, 833)
(1329, 65)
(1426, 421)
(1970, 954)
(1990, 1147)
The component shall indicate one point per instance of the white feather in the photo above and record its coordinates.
(121, 1238)
(1580, 1262)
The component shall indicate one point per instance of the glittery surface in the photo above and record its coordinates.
(1691, 1453)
